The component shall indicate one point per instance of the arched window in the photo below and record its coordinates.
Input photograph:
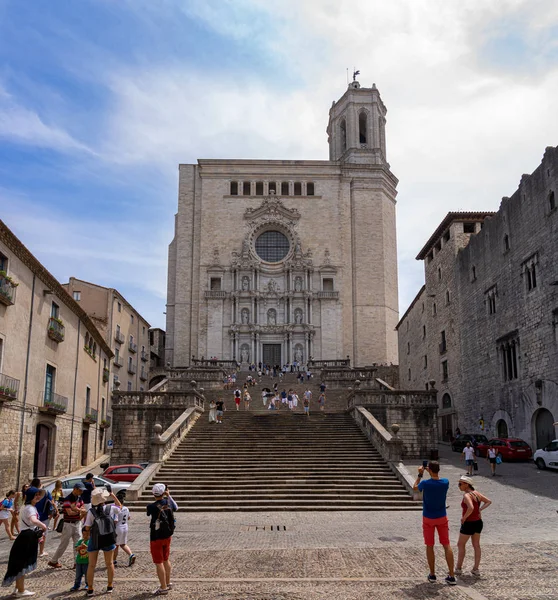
(343, 135)
(298, 188)
(446, 401)
(363, 128)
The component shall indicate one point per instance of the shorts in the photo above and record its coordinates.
(122, 535)
(492, 461)
(429, 526)
(471, 527)
(92, 548)
(469, 463)
(160, 550)
(219, 413)
(306, 409)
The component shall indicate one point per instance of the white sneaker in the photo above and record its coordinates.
(475, 572)
(24, 594)
(458, 571)
(43, 554)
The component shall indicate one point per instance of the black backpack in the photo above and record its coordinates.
(103, 530)
(164, 524)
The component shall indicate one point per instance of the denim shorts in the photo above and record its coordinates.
(91, 547)
(469, 463)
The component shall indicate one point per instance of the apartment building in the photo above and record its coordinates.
(54, 373)
(123, 329)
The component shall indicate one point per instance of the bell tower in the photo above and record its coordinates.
(356, 128)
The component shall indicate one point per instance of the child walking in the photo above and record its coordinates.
(82, 563)
(121, 520)
(6, 512)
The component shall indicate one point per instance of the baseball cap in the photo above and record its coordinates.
(158, 489)
(78, 486)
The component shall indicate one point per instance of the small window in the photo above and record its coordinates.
(531, 271)
(409, 375)
(448, 297)
(506, 242)
(327, 284)
(430, 257)
(422, 308)
(215, 284)
(129, 386)
(425, 361)
(468, 228)
(444, 370)
(298, 188)
(55, 310)
(284, 188)
(310, 189)
(259, 188)
(131, 339)
(119, 307)
(3, 263)
(447, 236)
(551, 201)
(423, 331)
(362, 128)
(77, 296)
(446, 401)
(129, 362)
(438, 246)
(234, 188)
(143, 330)
(408, 347)
(246, 191)
(272, 187)
(443, 342)
(132, 319)
(473, 273)
(439, 273)
(434, 309)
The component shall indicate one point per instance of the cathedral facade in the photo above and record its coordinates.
(283, 260)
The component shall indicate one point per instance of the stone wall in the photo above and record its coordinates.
(135, 416)
(414, 412)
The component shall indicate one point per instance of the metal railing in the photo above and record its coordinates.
(144, 356)
(7, 290)
(92, 415)
(215, 294)
(106, 422)
(118, 361)
(328, 295)
(9, 387)
(119, 337)
(56, 329)
(106, 374)
(132, 347)
(143, 374)
(55, 403)
(132, 368)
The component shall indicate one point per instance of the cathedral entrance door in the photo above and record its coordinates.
(272, 354)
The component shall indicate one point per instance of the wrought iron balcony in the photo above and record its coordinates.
(143, 375)
(132, 368)
(9, 388)
(119, 337)
(212, 294)
(56, 329)
(132, 347)
(105, 423)
(106, 374)
(118, 361)
(92, 416)
(144, 356)
(7, 289)
(54, 403)
(328, 295)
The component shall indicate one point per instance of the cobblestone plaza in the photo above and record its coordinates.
(349, 555)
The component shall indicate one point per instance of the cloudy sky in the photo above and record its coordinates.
(101, 99)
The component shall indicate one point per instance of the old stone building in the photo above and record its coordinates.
(124, 330)
(491, 314)
(282, 260)
(54, 373)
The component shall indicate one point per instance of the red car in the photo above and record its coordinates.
(510, 448)
(123, 472)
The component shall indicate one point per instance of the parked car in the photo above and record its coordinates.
(123, 472)
(478, 441)
(100, 482)
(547, 457)
(510, 448)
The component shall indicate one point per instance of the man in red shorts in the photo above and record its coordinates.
(434, 517)
(161, 529)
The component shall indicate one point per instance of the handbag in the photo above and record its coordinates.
(476, 466)
(36, 530)
(60, 526)
(498, 460)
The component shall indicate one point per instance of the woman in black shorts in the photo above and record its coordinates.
(471, 523)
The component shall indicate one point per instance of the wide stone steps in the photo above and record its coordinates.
(277, 461)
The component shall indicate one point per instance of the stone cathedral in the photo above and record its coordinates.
(283, 260)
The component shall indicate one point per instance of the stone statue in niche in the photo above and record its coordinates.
(298, 316)
(272, 286)
(245, 316)
(298, 354)
(244, 354)
(271, 317)
(298, 284)
(245, 283)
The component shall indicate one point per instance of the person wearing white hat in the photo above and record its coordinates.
(99, 531)
(161, 530)
(471, 523)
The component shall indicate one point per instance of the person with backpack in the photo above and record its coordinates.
(99, 531)
(237, 393)
(161, 530)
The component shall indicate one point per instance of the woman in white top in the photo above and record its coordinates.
(491, 458)
(212, 412)
(23, 555)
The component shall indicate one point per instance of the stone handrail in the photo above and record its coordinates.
(162, 447)
(388, 445)
(215, 363)
(155, 400)
(369, 397)
(344, 362)
(198, 374)
(349, 374)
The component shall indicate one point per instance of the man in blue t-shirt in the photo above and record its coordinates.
(434, 517)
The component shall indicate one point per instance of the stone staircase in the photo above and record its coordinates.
(261, 460)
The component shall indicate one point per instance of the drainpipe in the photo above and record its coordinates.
(22, 424)
(74, 401)
(99, 380)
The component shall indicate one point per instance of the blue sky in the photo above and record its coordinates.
(101, 99)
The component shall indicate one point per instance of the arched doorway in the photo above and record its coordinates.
(544, 427)
(42, 442)
(502, 429)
